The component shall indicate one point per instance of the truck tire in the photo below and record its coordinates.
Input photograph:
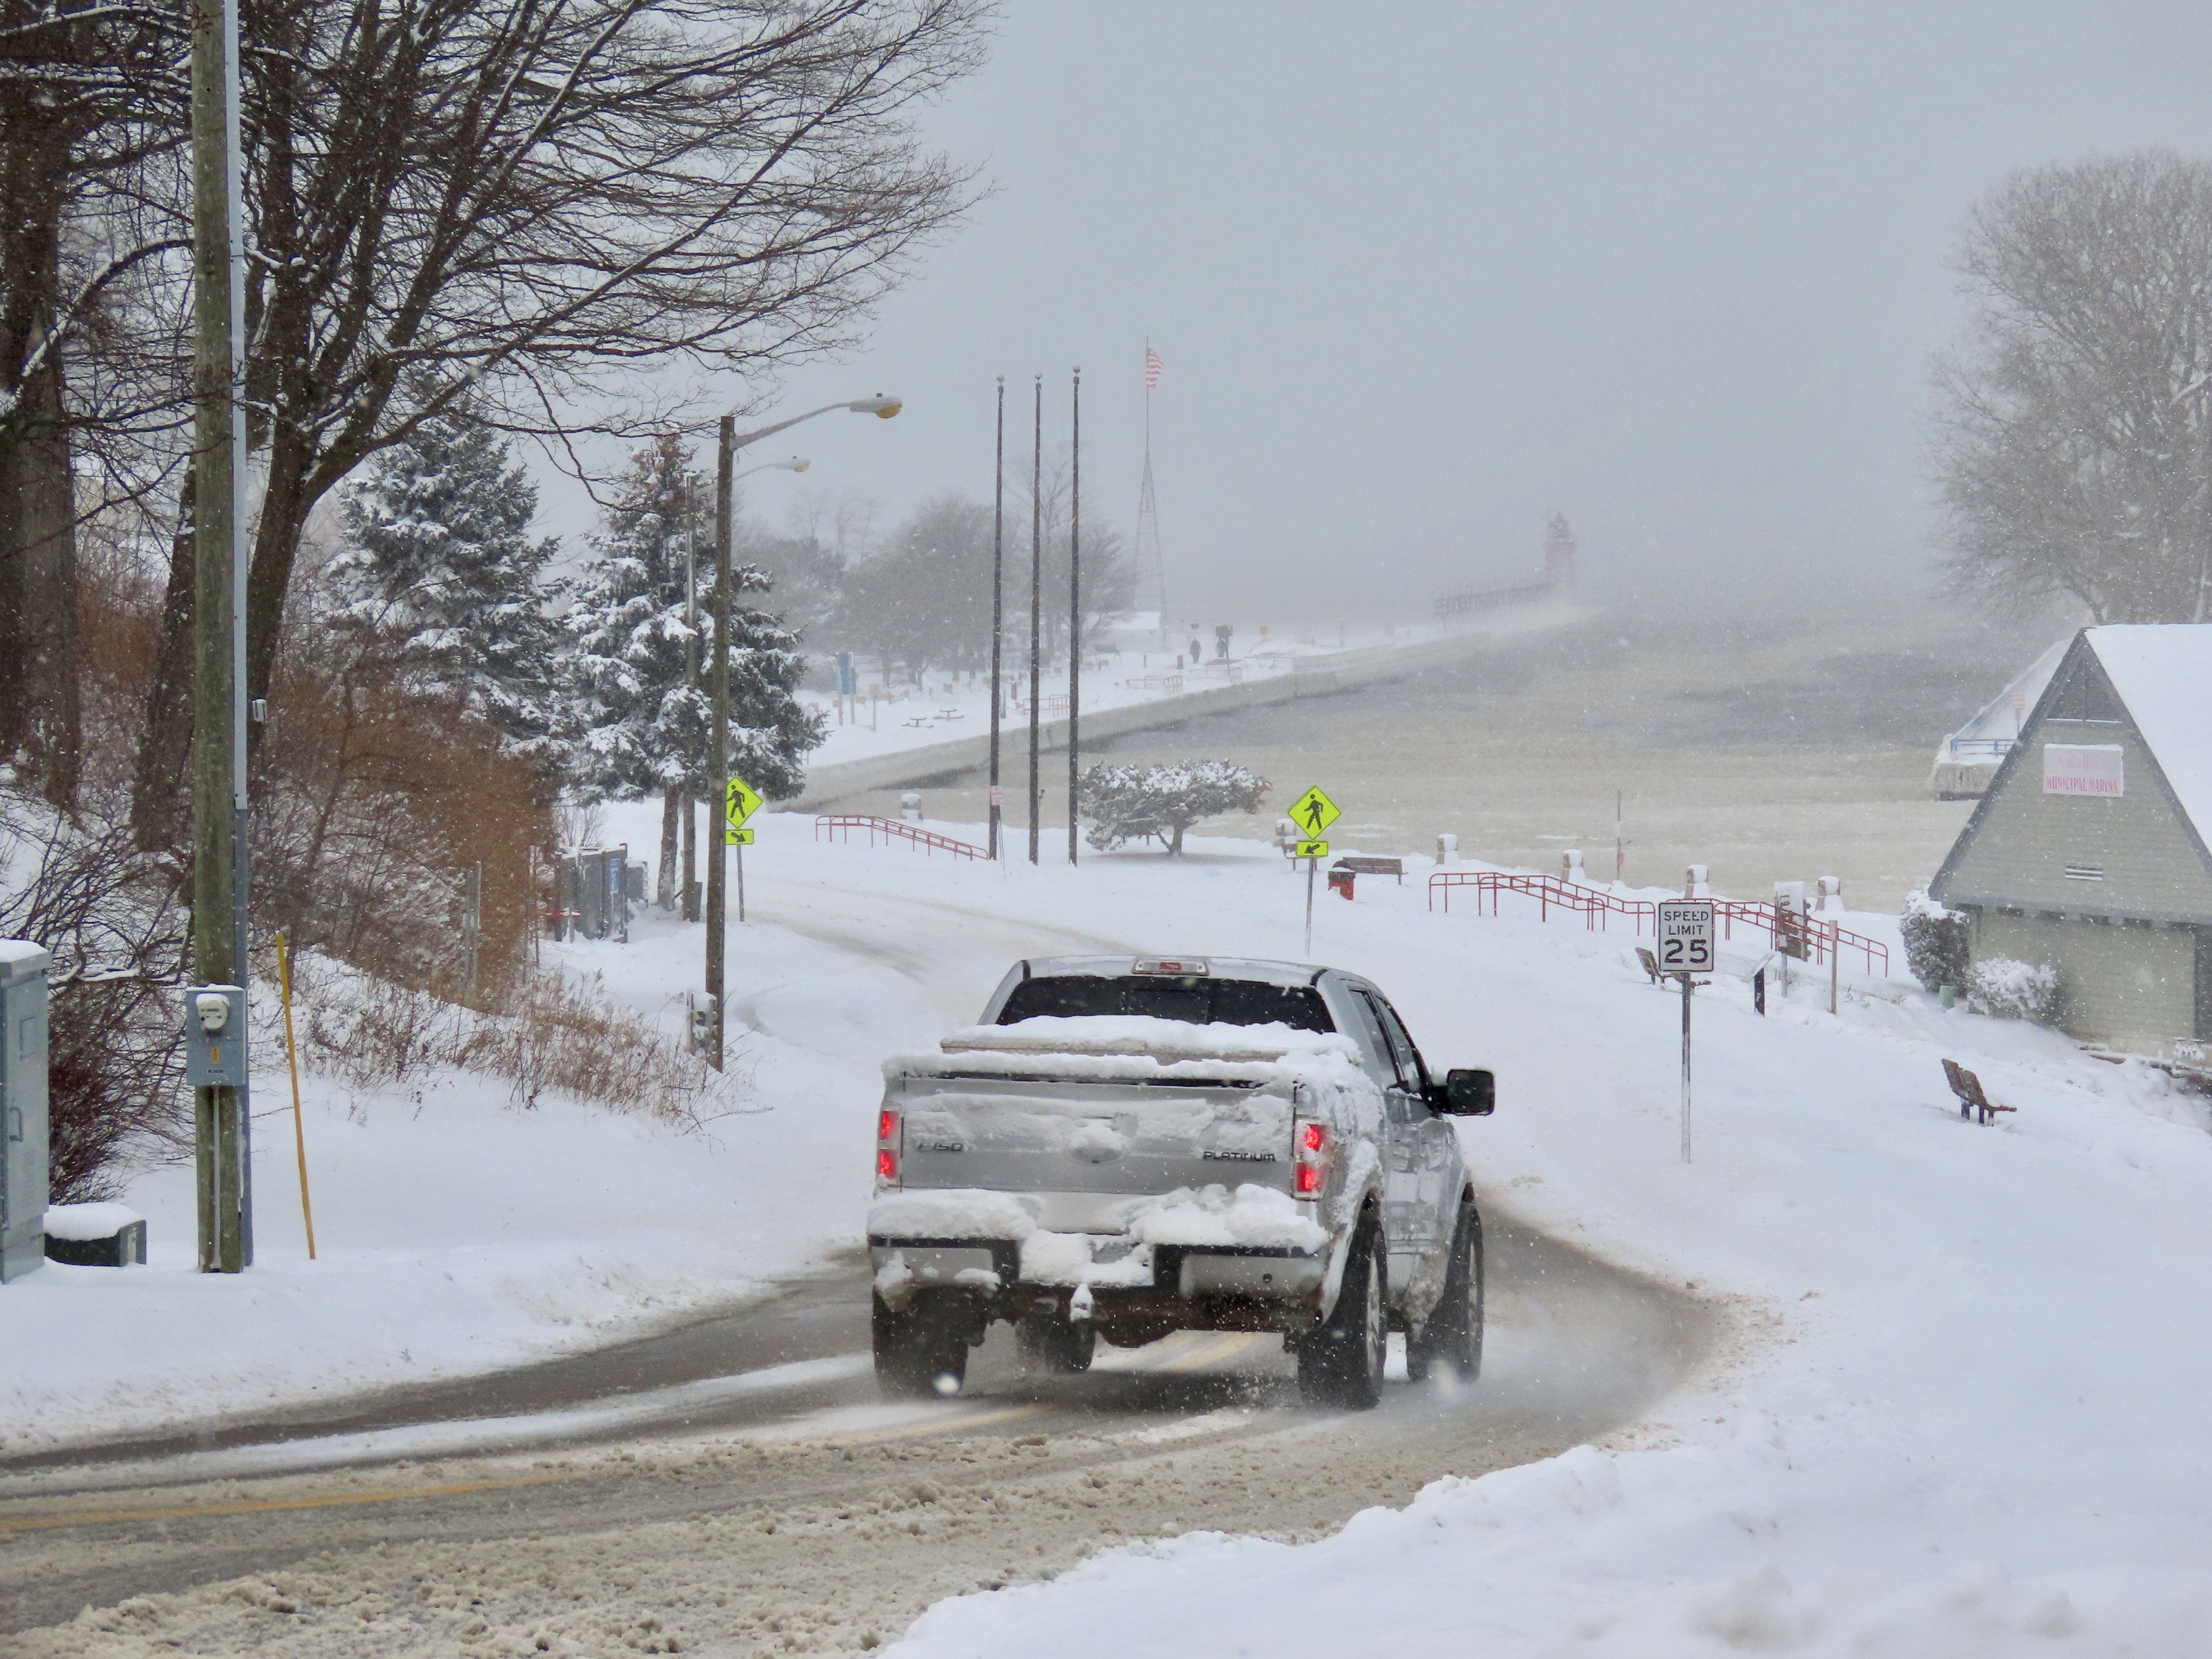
(1340, 1364)
(921, 1352)
(1053, 1344)
(1452, 1339)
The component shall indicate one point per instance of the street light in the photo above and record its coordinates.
(883, 406)
(688, 900)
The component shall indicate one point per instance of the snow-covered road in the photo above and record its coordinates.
(798, 1502)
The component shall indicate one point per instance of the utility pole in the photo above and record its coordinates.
(998, 619)
(718, 752)
(219, 829)
(1036, 617)
(1074, 603)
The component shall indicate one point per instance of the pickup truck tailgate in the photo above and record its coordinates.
(1075, 1147)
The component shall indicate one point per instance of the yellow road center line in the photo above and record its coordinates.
(264, 1505)
(864, 1437)
(1220, 1348)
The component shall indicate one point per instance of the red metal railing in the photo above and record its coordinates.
(1597, 908)
(839, 826)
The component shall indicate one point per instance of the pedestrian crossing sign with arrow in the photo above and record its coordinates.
(741, 802)
(1314, 812)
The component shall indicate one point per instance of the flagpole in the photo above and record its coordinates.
(1074, 602)
(997, 615)
(1036, 619)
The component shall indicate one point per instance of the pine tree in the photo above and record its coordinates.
(439, 580)
(643, 723)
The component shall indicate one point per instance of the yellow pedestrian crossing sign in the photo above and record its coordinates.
(1311, 849)
(1314, 812)
(742, 802)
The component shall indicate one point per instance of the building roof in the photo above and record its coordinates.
(2163, 673)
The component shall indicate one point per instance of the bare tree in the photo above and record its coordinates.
(87, 96)
(2074, 451)
(532, 201)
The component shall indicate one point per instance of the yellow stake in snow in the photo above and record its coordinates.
(292, 1058)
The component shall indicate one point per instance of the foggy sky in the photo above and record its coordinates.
(1422, 273)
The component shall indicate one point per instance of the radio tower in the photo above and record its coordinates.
(1152, 570)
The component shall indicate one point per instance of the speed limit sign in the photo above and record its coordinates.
(1686, 936)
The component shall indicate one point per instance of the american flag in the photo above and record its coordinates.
(1153, 368)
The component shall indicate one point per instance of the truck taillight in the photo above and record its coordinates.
(887, 1145)
(1310, 1174)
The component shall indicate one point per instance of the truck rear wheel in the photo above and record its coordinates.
(1452, 1339)
(1340, 1364)
(921, 1351)
(1053, 1344)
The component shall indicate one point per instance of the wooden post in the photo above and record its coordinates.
(292, 1058)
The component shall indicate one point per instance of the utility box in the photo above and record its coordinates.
(214, 1037)
(23, 1173)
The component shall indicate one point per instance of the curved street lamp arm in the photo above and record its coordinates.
(878, 404)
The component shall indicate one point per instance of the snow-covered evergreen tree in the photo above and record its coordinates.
(439, 579)
(643, 726)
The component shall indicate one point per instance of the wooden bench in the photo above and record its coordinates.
(1649, 962)
(1359, 866)
(1972, 1102)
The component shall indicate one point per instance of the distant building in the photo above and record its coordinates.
(1558, 579)
(1967, 760)
(2088, 853)
(1560, 555)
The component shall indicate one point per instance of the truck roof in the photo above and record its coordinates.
(1264, 972)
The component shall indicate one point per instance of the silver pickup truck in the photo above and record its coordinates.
(1123, 1148)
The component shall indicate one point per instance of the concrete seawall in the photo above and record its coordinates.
(1319, 674)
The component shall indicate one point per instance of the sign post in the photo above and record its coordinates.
(1686, 950)
(1313, 812)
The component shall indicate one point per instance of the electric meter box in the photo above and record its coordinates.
(214, 1037)
(23, 1179)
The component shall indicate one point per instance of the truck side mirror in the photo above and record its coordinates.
(1470, 1093)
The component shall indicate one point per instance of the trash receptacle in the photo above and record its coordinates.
(1341, 879)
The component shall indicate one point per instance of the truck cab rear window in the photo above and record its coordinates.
(1193, 1001)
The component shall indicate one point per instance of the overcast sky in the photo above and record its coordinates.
(1422, 273)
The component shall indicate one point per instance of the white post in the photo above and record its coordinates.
(1685, 1068)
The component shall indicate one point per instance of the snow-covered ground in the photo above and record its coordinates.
(1961, 1411)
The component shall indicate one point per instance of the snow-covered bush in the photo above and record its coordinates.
(1938, 942)
(1136, 803)
(2005, 989)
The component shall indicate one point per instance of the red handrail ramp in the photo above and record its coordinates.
(1597, 907)
(839, 826)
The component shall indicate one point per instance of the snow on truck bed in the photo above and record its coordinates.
(1136, 1048)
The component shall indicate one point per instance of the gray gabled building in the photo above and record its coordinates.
(2088, 853)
